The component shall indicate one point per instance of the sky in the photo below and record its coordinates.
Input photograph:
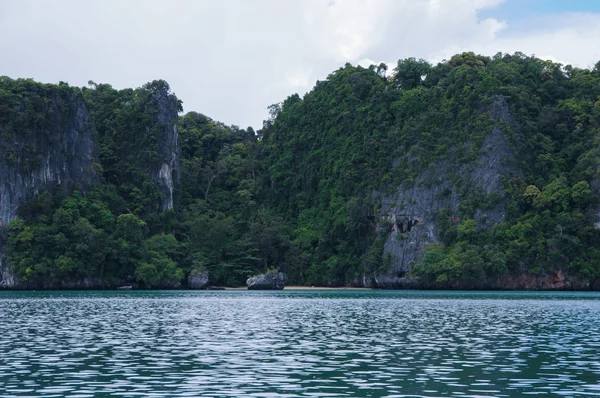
(231, 59)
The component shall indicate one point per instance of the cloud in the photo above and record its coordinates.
(230, 59)
(569, 39)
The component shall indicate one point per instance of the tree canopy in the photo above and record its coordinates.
(303, 194)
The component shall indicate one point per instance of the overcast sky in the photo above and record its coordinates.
(230, 59)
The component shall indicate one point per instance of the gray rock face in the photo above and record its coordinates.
(42, 159)
(39, 159)
(268, 281)
(198, 280)
(168, 170)
(414, 210)
(494, 163)
(7, 280)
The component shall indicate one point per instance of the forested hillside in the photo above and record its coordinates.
(335, 154)
(465, 173)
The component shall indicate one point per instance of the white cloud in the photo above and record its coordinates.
(230, 59)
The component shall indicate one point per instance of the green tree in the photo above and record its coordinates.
(410, 73)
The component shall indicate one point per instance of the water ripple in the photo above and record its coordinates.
(299, 344)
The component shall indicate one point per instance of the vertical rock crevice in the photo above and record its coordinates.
(167, 172)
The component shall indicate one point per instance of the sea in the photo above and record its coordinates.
(299, 343)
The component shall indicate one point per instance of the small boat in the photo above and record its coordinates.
(124, 287)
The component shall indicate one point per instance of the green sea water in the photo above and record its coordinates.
(299, 344)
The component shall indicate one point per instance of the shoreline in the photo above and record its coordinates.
(309, 288)
(306, 288)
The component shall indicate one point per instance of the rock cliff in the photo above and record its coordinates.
(48, 138)
(415, 211)
(167, 171)
(39, 155)
(41, 159)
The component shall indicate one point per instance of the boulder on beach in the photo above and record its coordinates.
(267, 281)
(198, 280)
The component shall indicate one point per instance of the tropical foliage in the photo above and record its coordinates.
(303, 193)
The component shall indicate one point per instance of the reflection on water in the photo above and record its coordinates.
(302, 343)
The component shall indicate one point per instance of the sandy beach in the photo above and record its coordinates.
(308, 288)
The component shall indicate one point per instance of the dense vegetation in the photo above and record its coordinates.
(303, 193)
(361, 132)
(114, 232)
(223, 223)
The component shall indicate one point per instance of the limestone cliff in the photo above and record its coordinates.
(51, 135)
(36, 156)
(415, 211)
(167, 170)
(41, 160)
